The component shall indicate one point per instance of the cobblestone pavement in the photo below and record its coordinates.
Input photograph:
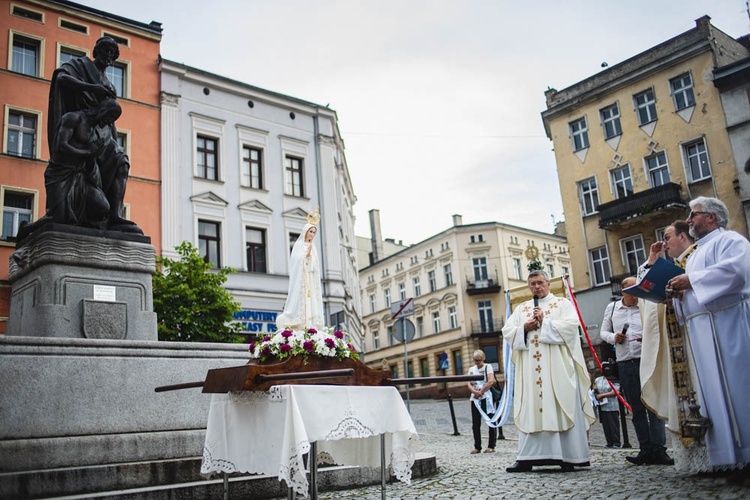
(465, 476)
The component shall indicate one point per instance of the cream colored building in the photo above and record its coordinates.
(633, 145)
(457, 280)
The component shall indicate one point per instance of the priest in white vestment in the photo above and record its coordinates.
(551, 407)
(715, 305)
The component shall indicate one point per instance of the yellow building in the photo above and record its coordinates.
(633, 145)
(457, 280)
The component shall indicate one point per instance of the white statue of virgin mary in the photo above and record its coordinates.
(304, 303)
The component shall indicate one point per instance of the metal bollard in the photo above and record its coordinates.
(453, 416)
(624, 425)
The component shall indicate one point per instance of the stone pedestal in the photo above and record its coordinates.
(70, 282)
(82, 402)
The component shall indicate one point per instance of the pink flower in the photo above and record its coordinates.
(312, 330)
(308, 346)
(338, 334)
(265, 351)
(351, 347)
(266, 338)
(285, 348)
(330, 343)
(252, 346)
(286, 334)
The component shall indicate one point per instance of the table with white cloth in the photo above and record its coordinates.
(269, 432)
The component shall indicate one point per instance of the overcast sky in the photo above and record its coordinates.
(439, 101)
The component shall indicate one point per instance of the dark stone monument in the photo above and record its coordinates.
(83, 270)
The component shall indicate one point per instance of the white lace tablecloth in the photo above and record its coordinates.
(269, 432)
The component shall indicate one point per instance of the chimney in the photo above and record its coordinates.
(376, 236)
(457, 220)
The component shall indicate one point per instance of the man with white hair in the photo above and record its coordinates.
(551, 406)
(715, 305)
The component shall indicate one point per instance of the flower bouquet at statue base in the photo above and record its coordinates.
(301, 357)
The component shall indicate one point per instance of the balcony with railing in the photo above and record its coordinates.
(641, 204)
(486, 328)
(478, 287)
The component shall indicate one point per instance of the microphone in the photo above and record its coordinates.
(625, 330)
(536, 300)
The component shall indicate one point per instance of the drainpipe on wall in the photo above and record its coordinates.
(324, 260)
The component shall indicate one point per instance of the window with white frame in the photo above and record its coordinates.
(256, 250)
(372, 303)
(207, 153)
(431, 280)
(436, 322)
(18, 208)
(658, 169)
(387, 297)
(579, 133)
(293, 175)
(610, 117)
(633, 253)
(448, 272)
(600, 266)
(117, 74)
(375, 339)
(589, 196)
(682, 91)
(486, 323)
(481, 275)
(122, 140)
(517, 268)
(33, 15)
(67, 54)
(645, 105)
(26, 55)
(696, 157)
(252, 167)
(209, 242)
(452, 317)
(551, 270)
(402, 291)
(420, 326)
(417, 286)
(565, 270)
(22, 134)
(622, 182)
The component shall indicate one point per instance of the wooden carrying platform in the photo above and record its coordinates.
(298, 370)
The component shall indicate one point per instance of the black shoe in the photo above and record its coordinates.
(519, 466)
(642, 458)
(501, 436)
(660, 457)
(566, 467)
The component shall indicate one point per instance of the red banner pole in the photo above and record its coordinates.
(588, 341)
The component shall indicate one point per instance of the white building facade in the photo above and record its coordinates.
(457, 280)
(241, 169)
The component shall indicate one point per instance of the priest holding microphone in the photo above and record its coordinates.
(551, 407)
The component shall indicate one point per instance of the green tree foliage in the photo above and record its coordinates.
(190, 302)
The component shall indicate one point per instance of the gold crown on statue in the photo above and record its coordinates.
(314, 217)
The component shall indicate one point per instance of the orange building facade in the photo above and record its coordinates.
(36, 36)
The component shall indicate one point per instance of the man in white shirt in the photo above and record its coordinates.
(622, 328)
